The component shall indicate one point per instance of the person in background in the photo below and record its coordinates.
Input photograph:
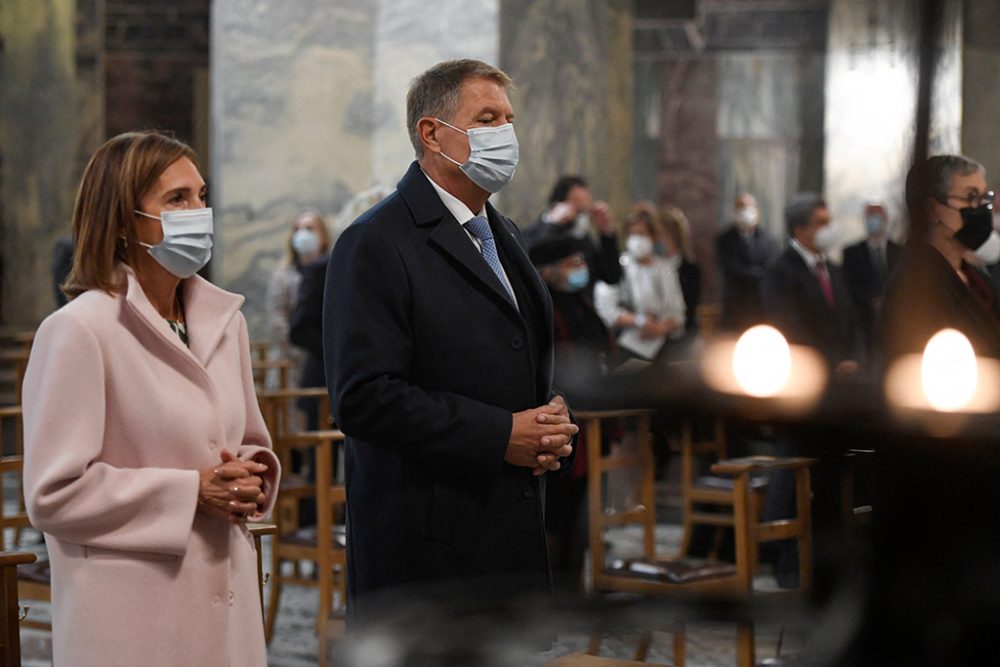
(867, 267)
(743, 252)
(145, 452)
(62, 264)
(935, 287)
(675, 241)
(806, 299)
(308, 242)
(584, 353)
(646, 308)
(573, 212)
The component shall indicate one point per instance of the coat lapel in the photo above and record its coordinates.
(448, 235)
(207, 310)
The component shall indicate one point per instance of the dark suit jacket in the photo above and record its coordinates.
(743, 267)
(427, 359)
(795, 304)
(305, 324)
(924, 296)
(867, 287)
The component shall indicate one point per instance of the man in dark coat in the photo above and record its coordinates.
(438, 352)
(868, 265)
(744, 252)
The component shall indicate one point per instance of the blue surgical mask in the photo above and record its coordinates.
(493, 155)
(874, 224)
(577, 279)
(187, 240)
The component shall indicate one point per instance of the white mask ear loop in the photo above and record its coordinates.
(442, 153)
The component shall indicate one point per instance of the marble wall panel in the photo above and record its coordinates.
(689, 154)
(50, 66)
(571, 61)
(409, 40)
(647, 106)
(871, 104)
(980, 87)
(292, 124)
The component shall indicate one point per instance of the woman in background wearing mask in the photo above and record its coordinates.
(951, 213)
(674, 245)
(647, 307)
(308, 241)
(145, 451)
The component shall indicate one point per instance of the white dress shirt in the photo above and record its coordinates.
(463, 215)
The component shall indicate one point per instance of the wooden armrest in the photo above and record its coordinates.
(258, 530)
(741, 465)
(265, 364)
(10, 411)
(293, 392)
(583, 415)
(311, 438)
(20, 558)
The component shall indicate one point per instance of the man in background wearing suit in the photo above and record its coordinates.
(806, 299)
(744, 251)
(867, 267)
(438, 352)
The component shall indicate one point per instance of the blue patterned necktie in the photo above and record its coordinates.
(480, 228)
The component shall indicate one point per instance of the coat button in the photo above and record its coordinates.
(232, 596)
(212, 445)
(216, 599)
(528, 492)
(517, 342)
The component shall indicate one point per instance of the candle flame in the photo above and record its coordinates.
(762, 361)
(948, 372)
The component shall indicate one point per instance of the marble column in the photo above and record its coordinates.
(980, 85)
(571, 61)
(871, 83)
(50, 66)
(292, 103)
(409, 40)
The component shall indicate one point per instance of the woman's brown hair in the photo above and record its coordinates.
(321, 231)
(675, 225)
(116, 178)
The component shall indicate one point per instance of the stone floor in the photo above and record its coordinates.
(295, 644)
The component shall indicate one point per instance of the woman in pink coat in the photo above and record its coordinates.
(145, 449)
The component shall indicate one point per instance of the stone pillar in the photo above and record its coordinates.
(871, 83)
(408, 40)
(571, 61)
(50, 66)
(980, 85)
(292, 108)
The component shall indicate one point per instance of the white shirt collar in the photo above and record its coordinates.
(809, 257)
(454, 204)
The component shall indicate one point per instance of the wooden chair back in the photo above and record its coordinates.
(34, 578)
(324, 545)
(10, 607)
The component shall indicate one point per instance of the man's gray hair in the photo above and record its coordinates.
(436, 92)
(800, 209)
(934, 180)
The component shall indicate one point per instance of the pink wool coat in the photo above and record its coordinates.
(119, 418)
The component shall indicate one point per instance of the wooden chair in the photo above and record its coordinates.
(656, 574)
(34, 577)
(10, 611)
(258, 531)
(698, 488)
(15, 347)
(264, 367)
(323, 544)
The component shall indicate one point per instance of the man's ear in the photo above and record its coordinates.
(427, 131)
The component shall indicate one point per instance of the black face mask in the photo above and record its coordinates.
(977, 223)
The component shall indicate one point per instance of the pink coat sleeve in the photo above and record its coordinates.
(256, 443)
(71, 494)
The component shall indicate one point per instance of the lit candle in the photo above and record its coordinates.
(947, 377)
(762, 365)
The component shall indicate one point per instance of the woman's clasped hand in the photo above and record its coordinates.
(232, 490)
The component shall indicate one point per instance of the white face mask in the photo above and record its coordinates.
(305, 242)
(187, 240)
(748, 216)
(826, 237)
(989, 252)
(493, 155)
(638, 246)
